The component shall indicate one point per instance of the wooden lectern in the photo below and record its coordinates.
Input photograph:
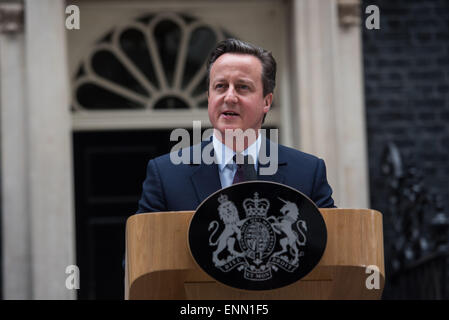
(159, 264)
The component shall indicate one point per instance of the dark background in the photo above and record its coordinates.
(406, 65)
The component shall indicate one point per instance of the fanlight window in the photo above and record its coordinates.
(155, 62)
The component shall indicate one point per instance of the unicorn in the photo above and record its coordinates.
(291, 240)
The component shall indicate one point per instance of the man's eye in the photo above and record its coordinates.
(219, 86)
(243, 87)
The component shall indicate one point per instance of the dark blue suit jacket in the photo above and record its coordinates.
(170, 187)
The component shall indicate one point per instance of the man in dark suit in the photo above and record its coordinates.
(241, 81)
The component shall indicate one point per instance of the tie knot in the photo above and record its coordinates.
(245, 168)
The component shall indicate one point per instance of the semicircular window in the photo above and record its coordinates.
(155, 62)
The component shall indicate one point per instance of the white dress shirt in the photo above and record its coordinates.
(224, 155)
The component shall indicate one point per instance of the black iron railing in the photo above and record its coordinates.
(416, 233)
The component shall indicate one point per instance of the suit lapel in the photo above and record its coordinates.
(277, 177)
(205, 178)
(265, 151)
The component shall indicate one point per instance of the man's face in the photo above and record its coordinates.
(235, 99)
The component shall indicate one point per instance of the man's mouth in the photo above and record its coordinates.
(230, 114)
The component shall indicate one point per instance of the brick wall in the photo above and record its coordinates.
(406, 65)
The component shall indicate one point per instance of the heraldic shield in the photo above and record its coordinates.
(257, 235)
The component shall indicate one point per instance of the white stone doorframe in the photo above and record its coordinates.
(38, 241)
(328, 61)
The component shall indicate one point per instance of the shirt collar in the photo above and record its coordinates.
(224, 154)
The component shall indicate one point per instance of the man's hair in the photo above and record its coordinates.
(238, 46)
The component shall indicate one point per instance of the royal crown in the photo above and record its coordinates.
(256, 207)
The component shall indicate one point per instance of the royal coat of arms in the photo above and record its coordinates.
(249, 244)
(257, 235)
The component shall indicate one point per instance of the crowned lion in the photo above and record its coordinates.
(229, 215)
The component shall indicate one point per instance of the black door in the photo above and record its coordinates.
(109, 171)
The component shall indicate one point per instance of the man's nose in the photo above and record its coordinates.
(231, 96)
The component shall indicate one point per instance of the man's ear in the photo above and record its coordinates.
(267, 100)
